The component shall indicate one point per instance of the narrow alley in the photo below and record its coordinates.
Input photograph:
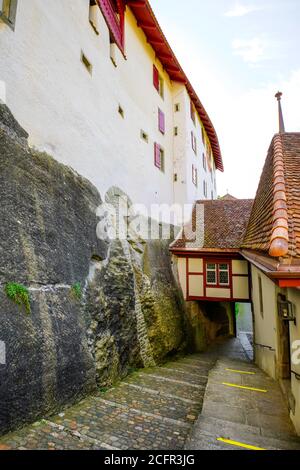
(217, 400)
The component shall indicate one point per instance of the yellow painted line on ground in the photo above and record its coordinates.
(243, 387)
(239, 444)
(241, 371)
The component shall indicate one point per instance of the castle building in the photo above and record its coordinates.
(96, 85)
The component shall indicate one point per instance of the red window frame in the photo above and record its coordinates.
(156, 78)
(158, 162)
(218, 285)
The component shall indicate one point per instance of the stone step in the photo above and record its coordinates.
(213, 428)
(182, 389)
(149, 400)
(123, 427)
(179, 376)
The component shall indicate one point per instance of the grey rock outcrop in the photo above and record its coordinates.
(99, 308)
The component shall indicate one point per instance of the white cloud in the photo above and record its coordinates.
(242, 10)
(252, 50)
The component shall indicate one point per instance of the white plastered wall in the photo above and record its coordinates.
(73, 115)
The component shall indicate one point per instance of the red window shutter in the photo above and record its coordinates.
(155, 78)
(157, 159)
(161, 122)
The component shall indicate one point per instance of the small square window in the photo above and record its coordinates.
(86, 63)
(113, 53)
(144, 136)
(8, 12)
(121, 111)
(93, 16)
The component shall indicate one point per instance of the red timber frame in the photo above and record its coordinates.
(215, 260)
(114, 14)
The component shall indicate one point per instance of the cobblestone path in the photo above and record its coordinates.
(151, 409)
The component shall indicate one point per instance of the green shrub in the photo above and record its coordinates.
(18, 294)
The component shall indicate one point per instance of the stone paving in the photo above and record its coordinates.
(151, 409)
(183, 404)
(242, 416)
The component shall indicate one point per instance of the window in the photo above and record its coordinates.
(261, 298)
(203, 136)
(8, 12)
(176, 131)
(177, 108)
(212, 195)
(211, 274)
(159, 157)
(205, 189)
(144, 136)
(204, 161)
(195, 175)
(193, 113)
(224, 274)
(217, 274)
(86, 63)
(93, 16)
(194, 142)
(158, 81)
(161, 122)
(121, 111)
(113, 53)
(175, 177)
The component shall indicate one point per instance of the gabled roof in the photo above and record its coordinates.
(216, 226)
(147, 21)
(228, 197)
(274, 225)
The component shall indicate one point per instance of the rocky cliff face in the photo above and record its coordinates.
(98, 308)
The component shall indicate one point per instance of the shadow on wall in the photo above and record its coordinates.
(209, 321)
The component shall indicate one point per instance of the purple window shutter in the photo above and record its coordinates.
(157, 160)
(161, 122)
(155, 78)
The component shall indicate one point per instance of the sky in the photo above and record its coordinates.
(237, 55)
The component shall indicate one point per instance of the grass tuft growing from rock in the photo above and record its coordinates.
(19, 294)
(77, 290)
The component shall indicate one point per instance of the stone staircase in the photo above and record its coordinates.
(151, 409)
(254, 417)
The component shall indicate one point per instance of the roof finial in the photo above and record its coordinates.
(281, 121)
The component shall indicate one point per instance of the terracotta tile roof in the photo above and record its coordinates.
(274, 225)
(218, 225)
